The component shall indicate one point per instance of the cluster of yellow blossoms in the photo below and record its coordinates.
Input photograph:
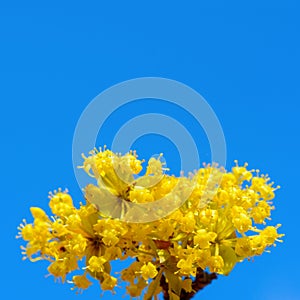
(213, 220)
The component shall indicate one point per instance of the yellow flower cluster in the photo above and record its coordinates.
(213, 220)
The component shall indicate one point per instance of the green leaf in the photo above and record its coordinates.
(229, 257)
(175, 283)
(107, 267)
(88, 223)
(173, 296)
(153, 286)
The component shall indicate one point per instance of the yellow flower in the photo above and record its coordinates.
(270, 235)
(241, 173)
(243, 247)
(62, 267)
(148, 271)
(140, 195)
(129, 274)
(216, 264)
(81, 282)
(261, 212)
(95, 264)
(260, 184)
(109, 282)
(76, 245)
(240, 219)
(212, 230)
(135, 290)
(187, 266)
(61, 204)
(208, 216)
(188, 222)
(27, 232)
(204, 239)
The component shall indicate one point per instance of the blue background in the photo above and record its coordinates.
(55, 56)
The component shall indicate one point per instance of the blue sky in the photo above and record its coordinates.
(56, 56)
